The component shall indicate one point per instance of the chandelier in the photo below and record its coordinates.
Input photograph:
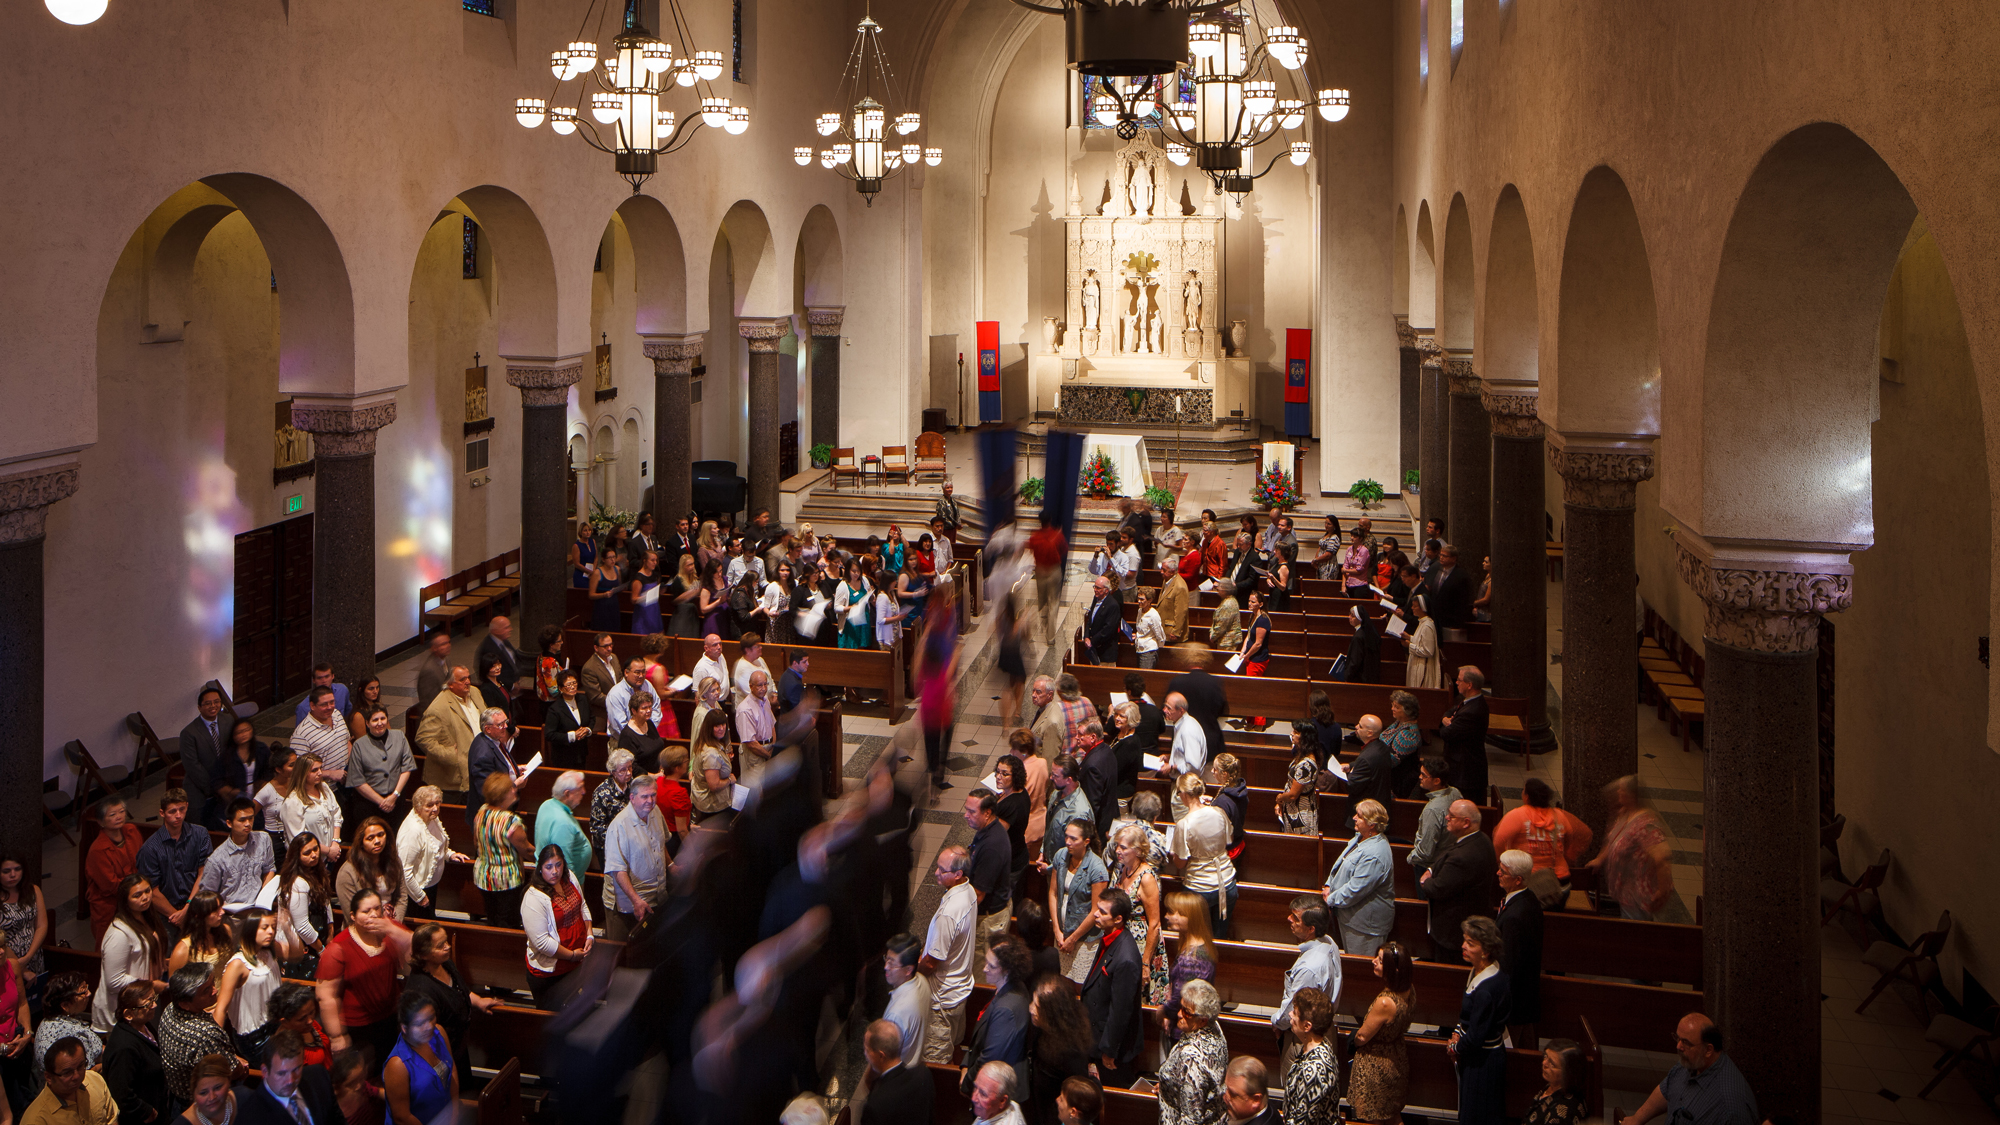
(624, 95)
(866, 152)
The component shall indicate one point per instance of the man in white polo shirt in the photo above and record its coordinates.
(947, 956)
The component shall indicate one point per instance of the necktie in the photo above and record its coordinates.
(297, 1110)
(211, 731)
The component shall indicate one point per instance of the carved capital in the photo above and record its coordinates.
(342, 429)
(762, 334)
(25, 499)
(1406, 336)
(1431, 350)
(673, 355)
(1605, 480)
(1762, 600)
(1512, 409)
(544, 382)
(1459, 371)
(825, 320)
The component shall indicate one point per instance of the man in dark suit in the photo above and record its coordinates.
(643, 539)
(292, 1093)
(892, 1094)
(1461, 882)
(673, 546)
(499, 645)
(491, 752)
(1245, 1084)
(792, 684)
(1464, 734)
(1099, 772)
(201, 746)
(1111, 992)
(1368, 779)
(1151, 722)
(435, 671)
(1452, 592)
(1206, 701)
(1521, 945)
(1102, 622)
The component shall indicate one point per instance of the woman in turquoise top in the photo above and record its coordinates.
(893, 551)
(850, 601)
(419, 1077)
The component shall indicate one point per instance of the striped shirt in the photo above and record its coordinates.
(329, 741)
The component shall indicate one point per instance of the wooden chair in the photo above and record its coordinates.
(91, 778)
(1859, 898)
(1916, 965)
(845, 466)
(149, 748)
(930, 456)
(1829, 851)
(896, 462)
(1961, 1041)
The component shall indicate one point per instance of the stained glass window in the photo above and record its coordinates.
(483, 7)
(471, 263)
(1090, 121)
(736, 40)
(1423, 41)
(1457, 28)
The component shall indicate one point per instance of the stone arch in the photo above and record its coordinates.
(1508, 333)
(753, 262)
(1788, 377)
(661, 263)
(526, 292)
(1423, 272)
(820, 260)
(1399, 280)
(1606, 375)
(315, 298)
(1454, 316)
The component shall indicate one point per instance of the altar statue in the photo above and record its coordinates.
(1091, 299)
(1191, 301)
(1142, 189)
(1158, 340)
(1133, 343)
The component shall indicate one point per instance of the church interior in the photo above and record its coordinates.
(337, 328)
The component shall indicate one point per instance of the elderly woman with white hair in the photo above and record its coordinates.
(611, 795)
(423, 847)
(1361, 887)
(1191, 1077)
(556, 822)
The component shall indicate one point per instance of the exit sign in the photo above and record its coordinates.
(294, 505)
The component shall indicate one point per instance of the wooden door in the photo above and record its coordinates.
(273, 620)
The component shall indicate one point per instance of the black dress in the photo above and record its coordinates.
(1482, 1058)
(1046, 1072)
(1130, 752)
(645, 748)
(454, 1012)
(1364, 655)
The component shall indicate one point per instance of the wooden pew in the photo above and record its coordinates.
(1334, 824)
(1268, 695)
(875, 670)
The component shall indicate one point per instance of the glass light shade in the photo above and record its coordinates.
(827, 124)
(664, 122)
(1260, 98)
(1204, 40)
(1305, 49)
(613, 71)
(912, 153)
(891, 160)
(659, 57)
(933, 156)
(605, 107)
(559, 65)
(826, 158)
(868, 123)
(530, 111)
(802, 156)
(870, 162)
(1291, 112)
(1283, 43)
(582, 57)
(1184, 116)
(684, 75)
(77, 12)
(907, 123)
(843, 153)
(708, 64)
(739, 120)
(1333, 104)
(562, 119)
(1145, 104)
(1179, 154)
(1302, 151)
(1105, 110)
(714, 112)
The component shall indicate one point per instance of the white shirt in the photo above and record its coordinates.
(125, 961)
(618, 704)
(1190, 752)
(422, 846)
(738, 565)
(538, 918)
(1125, 564)
(1150, 634)
(740, 684)
(1202, 839)
(704, 668)
(1009, 1116)
(321, 818)
(942, 558)
(910, 1010)
(949, 943)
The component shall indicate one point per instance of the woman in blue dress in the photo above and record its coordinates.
(582, 554)
(421, 1083)
(646, 617)
(1478, 1045)
(604, 587)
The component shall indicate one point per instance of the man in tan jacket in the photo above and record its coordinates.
(1173, 604)
(445, 736)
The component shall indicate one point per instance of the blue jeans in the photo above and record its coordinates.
(1223, 926)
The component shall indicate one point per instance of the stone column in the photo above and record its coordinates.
(824, 322)
(1471, 463)
(673, 484)
(1520, 593)
(762, 472)
(544, 383)
(1433, 429)
(25, 497)
(1600, 671)
(343, 609)
(1411, 378)
(1760, 813)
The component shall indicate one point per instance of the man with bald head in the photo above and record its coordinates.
(1368, 779)
(1705, 1088)
(892, 1093)
(1463, 881)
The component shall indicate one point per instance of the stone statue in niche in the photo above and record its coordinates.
(294, 447)
(1191, 301)
(1142, 189)
(1156, 340)
(1093, 299)
(1134, 342)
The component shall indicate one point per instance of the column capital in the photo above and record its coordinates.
(544, 380)
(1406, 336)
(1433, 352)
(763, 332)
(343, 426)
(25, 498)
(673, 355)
(1512, 406)
(1764, 597)
(1458, 369)
(1601, 472)
(825, 320)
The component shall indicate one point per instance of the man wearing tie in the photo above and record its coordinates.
(292, 1093)
(201, 746)
(643, 539)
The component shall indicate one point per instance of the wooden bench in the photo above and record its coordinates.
(1333, 821)
(876, 670)
(469, 593)
(1269, 695)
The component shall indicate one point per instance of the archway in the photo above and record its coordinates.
(750, 305)
(821, 305)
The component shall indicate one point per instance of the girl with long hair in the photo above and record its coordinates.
(372, 863)
(557, 921)
(206, 931)
(1062, 1046)
(365, 696)
(713, 601)
(1187, 915)
(262, 942)
(133, 950)
(303, 892)
(311, 808)
(684, 590)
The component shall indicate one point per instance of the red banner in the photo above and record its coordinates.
(989, 355)
(1298, 381)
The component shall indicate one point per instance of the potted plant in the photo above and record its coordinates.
(1100, 479)
(1031, 490)
(1410, 480)
(821, 455)
(1276, 491)
(1162, 502)
(1367, 492)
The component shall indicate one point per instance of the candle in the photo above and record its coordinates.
(1177, 404)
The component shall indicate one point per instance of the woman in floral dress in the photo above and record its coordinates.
(1136, 877)
(1298, 805)
(1379, 1077)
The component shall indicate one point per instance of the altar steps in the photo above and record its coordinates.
(1223, 445)
(871, 509)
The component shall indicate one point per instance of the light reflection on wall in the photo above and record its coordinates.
(426, 538)
(209, 527)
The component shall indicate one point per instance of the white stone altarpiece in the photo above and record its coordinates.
(1144, 288)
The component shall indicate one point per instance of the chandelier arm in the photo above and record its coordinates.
(1054, 11)
(684, 132)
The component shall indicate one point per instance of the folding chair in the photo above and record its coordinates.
(149, 749)
(1829, 852)
(1961, 1041)
(91, 777)
(1860, 899)
(1917, 965)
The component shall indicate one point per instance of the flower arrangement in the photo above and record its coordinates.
(1367, 492)
(604, 519)
(1031, 490)
(1100, 479)
(1275, 490)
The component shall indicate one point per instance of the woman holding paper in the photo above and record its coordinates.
(1426, 664)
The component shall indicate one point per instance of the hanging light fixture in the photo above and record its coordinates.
(1133, 47)
(633, 79)
(874, 140)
